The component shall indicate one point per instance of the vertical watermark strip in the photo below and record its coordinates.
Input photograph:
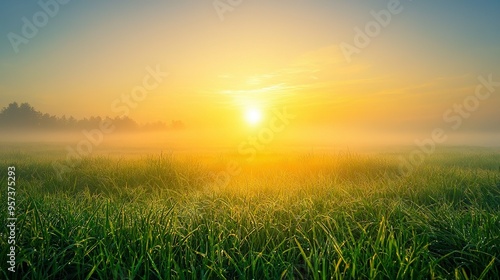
(11, 218)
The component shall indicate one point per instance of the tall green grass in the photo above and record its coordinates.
(338, 216)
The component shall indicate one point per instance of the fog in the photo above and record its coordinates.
(245, 144)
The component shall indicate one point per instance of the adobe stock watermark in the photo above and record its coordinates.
(48, 9)
(363, 37)
(11, 217)
(252, 145)
(224, 6)
(93, 138)
(454, 117)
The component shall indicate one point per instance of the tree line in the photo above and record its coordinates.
(24, 117)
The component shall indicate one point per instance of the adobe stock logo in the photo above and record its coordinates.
(30, 27)
(252, 145)
(454, 118)
(372, 29)
(93, 138)
(223, 6)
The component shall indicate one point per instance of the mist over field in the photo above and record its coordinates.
(247, 139)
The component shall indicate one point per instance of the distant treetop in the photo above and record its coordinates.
(24, 117)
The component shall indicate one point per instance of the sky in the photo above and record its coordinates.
(229, 65)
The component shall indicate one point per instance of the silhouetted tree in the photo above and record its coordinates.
(25, 117)
(177, 125)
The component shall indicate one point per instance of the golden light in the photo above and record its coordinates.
(253, 116)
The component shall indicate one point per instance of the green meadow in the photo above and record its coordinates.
(337, 215)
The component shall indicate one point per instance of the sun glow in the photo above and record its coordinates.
(253, 116)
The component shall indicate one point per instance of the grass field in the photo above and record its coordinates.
(310, 216)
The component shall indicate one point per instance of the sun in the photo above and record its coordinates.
(253, 116)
